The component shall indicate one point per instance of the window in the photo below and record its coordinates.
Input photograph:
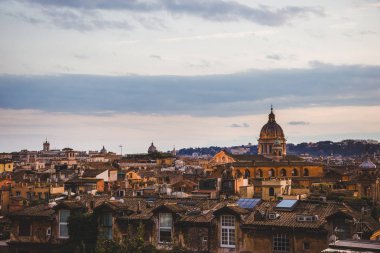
(294, 172)
(24, 228)
(48, 231)
(306, 245)
(247, 174)
(271, 191)
(305, 172)
(107, 225)
(227, 231)
(307, 217)
(63, 218)
(18, 193)
(271, 173)
(166, 222)
(281, 243)
(283, 172)
(259, 173)
(40, 195)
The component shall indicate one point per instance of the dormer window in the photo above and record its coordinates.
(165, 227)
(227, 231)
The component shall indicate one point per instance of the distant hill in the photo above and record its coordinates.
(321, 148)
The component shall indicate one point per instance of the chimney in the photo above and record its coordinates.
(138, 207)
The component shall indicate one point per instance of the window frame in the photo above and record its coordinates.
(281, 243)
(271, 192)
(229, 230)
(107, 228)
(60, 223)
(164, 228)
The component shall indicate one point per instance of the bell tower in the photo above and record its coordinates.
(46, 146)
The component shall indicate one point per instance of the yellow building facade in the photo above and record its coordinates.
(6, 165)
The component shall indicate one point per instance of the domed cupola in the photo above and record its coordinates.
(272, 137)
(272, 129)
(152, 149)
(367, 164)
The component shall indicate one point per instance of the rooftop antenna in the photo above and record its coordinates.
(121, 150)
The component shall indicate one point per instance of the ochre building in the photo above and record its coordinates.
(272, 160)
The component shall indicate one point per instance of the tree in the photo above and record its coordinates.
(133, 243)
(83, 232)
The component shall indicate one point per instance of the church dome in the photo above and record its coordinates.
(271, 130)
(103, 150)
(367, 164)
(152, 149)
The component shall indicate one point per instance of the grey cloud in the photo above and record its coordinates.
(214, 95)
(81, 56)
(367, 32)
(82, 20)
(157, 57)
(213, 10)
(21, 16)
(295, 123)
(235, 125)
(274, 57)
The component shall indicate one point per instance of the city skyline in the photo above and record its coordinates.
(86, 74)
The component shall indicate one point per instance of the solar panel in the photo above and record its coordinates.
(248, 203)
(287, 204)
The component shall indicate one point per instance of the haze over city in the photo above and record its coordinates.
(84, 74)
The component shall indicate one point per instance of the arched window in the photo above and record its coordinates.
(238, 174)
(305, 172)
(283, 173)
(259, 173)
(294, 172)
(247, 174)
(271, 173)
(271, 191)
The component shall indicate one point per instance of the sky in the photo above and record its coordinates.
(88, 73)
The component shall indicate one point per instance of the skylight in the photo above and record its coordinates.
(287, 204)
(248, 203)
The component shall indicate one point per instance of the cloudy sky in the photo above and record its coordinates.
(88, 73)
